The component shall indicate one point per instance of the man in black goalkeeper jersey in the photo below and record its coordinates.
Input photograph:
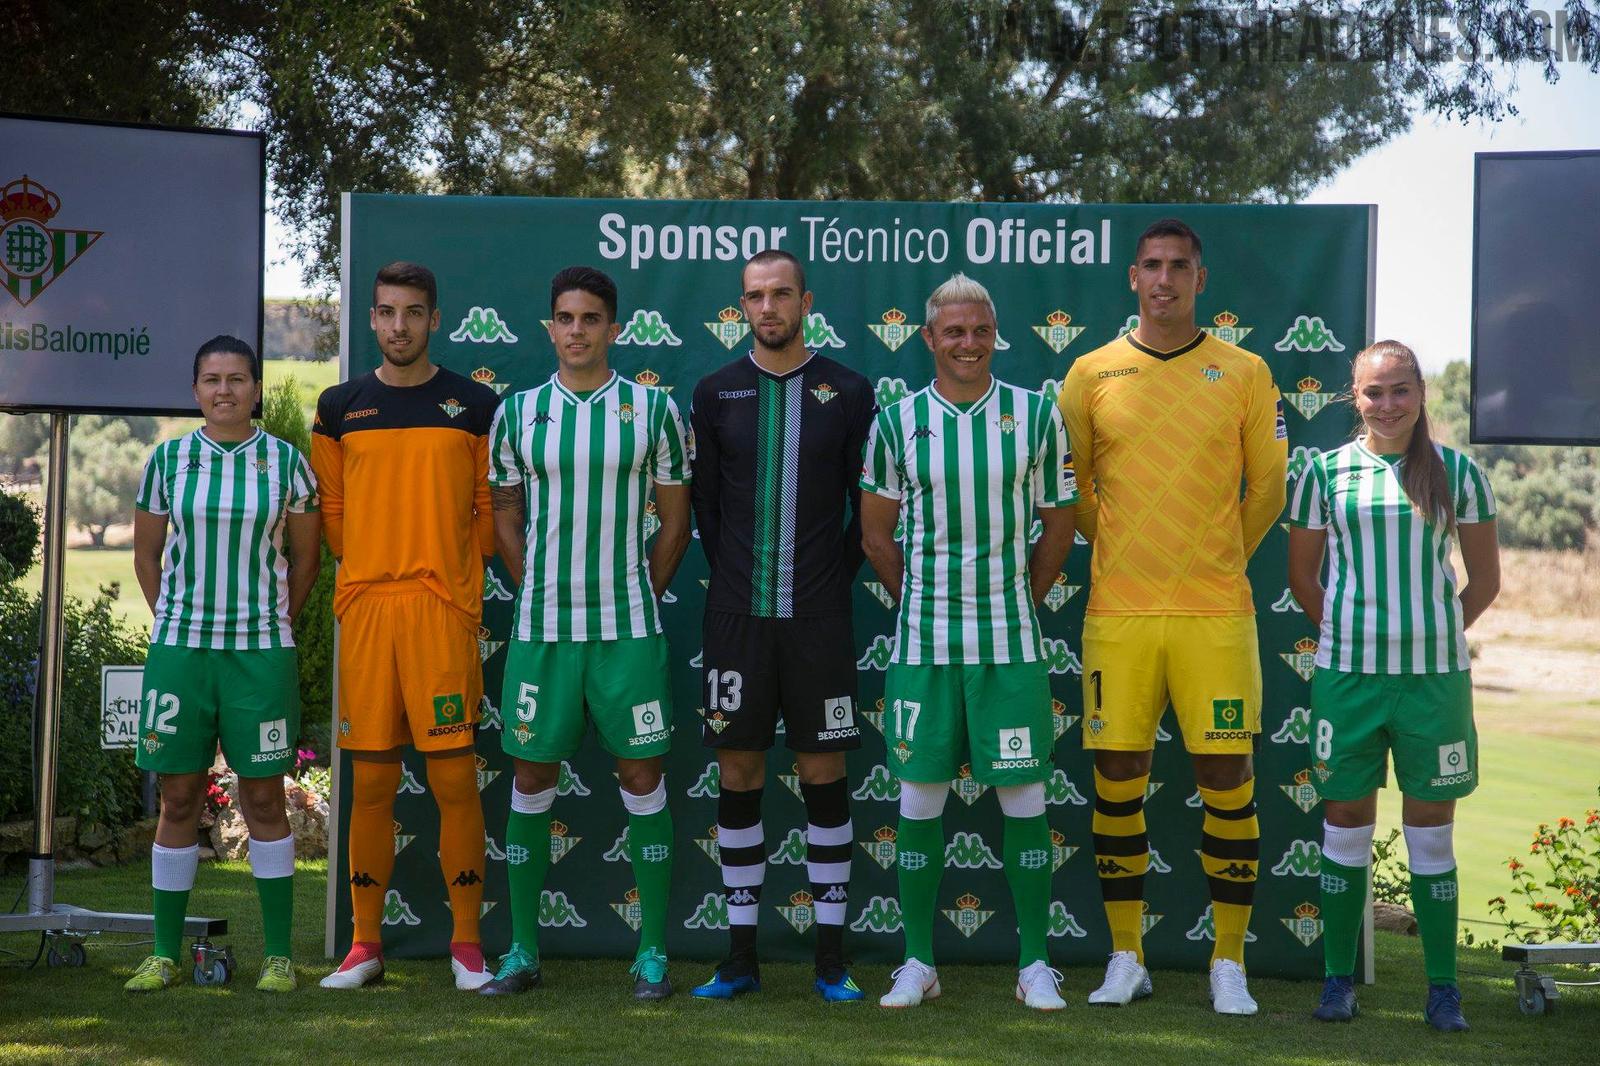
(779, 434)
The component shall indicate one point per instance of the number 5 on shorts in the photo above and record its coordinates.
(527, 701)
(912, 709)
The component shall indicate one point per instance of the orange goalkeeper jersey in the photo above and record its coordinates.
(1161, 442)
(404, 479)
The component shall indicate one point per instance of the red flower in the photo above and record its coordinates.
(1567, 823)
(1514, 864)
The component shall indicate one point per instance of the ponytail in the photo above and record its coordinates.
(1426, 483)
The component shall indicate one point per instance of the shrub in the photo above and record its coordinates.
(19, 535)
(93, 784)
(1564, 893)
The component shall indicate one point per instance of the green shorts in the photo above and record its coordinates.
(1424, 719)
(552, 688)
(995, 716)
(196, 697)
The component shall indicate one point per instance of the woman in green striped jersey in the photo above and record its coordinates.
(1393, 673)
(225, 548)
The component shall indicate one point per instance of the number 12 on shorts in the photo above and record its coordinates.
(162, 722)
(905, 718)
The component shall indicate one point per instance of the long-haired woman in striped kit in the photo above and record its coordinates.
(225, 548)
(1393, 673)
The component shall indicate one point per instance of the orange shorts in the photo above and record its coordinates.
(409, 671)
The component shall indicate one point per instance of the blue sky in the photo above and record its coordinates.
(1422, 184)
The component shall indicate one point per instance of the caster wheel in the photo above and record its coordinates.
(212, 965)
(1532, 1003)
(70, 955)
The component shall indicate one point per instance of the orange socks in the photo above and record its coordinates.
(454, 780)
(373, 786)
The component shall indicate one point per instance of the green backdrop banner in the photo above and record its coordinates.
(1289, 283)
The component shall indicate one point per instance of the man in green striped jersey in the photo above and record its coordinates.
(967, 461)
(1393, 672)
(571, 466)
(225, 549)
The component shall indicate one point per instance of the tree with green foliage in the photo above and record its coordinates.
(861, 99)
(1548, 497)
(19, 535)
(105, 456)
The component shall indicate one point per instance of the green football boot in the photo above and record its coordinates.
(277, 975)
(154, 973)
(649, 971)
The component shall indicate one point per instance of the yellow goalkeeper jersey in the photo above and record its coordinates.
(1162, 443)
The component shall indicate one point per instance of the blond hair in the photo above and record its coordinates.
(958, 289)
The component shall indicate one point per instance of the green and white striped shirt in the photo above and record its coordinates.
(224, 572)
(1390, 605)
(967, 482)
(588, 464)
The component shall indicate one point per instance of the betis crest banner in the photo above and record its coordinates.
(1288, 283)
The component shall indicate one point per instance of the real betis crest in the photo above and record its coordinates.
(1007, 423)
(31, 254)
(902, 751)
(152, 742)
(824, 392)
(966, 917)
(894, 330)
(715, 721)
(1302, 793)
(561, 843)
(792, 781)
(881, 846)
(1308, 399)
(874, 717)
(522, 733)
(486, 776)
(1060, 593)
(1058, 330)
(1059, 718)
(651, 380)
(730, 327)
(1212, 373)
(800, 913)
(708, 844)
(1226, 328)
(880, 594)
(652, 519)
(484, 376)
(625, 412)
(1060, 850)
(401, 838)
(1305, 926)
(486, 646)
(1147, 921)
(967, 789)
(452, 407)
(1303, 660)
(629, 910)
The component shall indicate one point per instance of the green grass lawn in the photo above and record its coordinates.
(585, 1014)
(312, 377)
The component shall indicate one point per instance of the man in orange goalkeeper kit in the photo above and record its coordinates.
(404, 454)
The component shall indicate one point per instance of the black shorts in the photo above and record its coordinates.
(759, 668)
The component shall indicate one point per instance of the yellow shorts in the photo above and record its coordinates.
(409, 671)
(1209, 666)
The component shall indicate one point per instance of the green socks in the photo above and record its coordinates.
(1027, 861)
(527, 863)
(277, 914)
(169, 910)
(650, 851)
(1344, 902)
(920, 845)
(1433, 898)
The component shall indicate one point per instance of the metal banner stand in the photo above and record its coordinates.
(63, 925)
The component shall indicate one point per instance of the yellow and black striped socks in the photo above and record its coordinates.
(1230, 852)
(1122, 857)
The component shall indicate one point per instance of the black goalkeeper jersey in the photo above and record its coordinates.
(776, 459)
